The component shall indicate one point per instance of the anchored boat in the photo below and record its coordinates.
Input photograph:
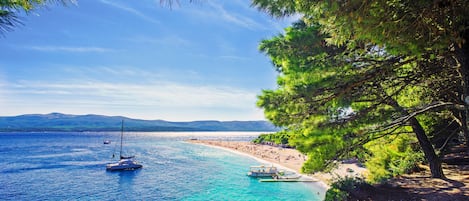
(125, 162)
(272, 174)
(282, 176)
(262, 171)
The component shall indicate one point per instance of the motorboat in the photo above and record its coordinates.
(262, 171)
(283, 176)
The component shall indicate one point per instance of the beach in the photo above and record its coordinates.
(406, 187)
(285, 158)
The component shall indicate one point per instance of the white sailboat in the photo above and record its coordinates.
(125, 162)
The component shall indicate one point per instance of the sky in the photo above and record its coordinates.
(139, 59)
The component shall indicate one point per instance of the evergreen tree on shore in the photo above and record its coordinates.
(360, 71)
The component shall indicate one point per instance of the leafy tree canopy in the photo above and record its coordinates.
(356, 72)
(399, 25)
(9, 10)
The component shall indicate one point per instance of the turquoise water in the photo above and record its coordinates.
(71, 166)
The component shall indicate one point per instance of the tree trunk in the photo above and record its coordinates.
(462, 57)
(464, 125)
(433, 161)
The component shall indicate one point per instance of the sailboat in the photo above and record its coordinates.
(125, 162)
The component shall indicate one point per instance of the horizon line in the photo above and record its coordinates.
(132, 118)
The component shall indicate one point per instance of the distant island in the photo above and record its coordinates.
(93, 122)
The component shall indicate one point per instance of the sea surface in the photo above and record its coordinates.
(71, 166)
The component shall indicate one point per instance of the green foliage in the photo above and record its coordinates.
(341, 187)
(392, 156)
(334, 194)
(354, 73)
(20, 4)
(279, 138)
(402, 26)
(9, 10)
(316, 89)
(321, 145)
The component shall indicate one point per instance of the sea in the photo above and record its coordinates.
(71, 166)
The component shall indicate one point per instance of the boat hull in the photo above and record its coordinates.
(262, 171)
(123, 164)
(284, 180)
(118, 168)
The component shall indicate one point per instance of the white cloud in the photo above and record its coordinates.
(130, 10)
(157, 93)
(3, 88)
(166, 40)
(150, 100)
(69, 49)
(237, 19)
(234, 57)
(214, 10)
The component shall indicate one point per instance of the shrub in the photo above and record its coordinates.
(279, 138)
(390, 158)
(341, 187)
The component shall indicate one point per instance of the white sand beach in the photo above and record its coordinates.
(284, 158)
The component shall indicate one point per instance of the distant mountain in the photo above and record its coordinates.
(91, 122)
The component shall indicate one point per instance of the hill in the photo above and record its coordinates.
(92, 122)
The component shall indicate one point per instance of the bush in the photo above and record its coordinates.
(391, 158)
(279, 138)
(341, 187)
(334, 194)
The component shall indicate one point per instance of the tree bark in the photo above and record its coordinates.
(462, 64)
(462, 57)
(433, 160)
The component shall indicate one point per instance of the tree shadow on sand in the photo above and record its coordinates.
(419, 187)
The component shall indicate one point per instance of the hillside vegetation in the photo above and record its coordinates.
(65, 122)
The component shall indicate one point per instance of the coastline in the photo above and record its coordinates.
(284, 158)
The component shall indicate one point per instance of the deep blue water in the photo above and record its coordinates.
(71, 166)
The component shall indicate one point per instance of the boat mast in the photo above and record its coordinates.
(122, 136)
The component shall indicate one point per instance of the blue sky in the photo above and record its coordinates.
(195, 61)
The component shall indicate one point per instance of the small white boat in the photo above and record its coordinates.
(284, 176)
(281, 176)
(262, 171)
(107, 142)
(125, 162)
(288, 180)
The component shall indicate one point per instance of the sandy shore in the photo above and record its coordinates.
(417, 186)
(285, 158)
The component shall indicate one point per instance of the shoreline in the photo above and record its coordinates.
(261, 160)
(284, 158)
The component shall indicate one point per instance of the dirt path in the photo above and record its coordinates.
(420, 186)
